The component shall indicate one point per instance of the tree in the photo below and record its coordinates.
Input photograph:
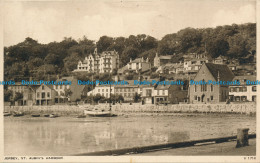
(7, 95)
(129, 52)
(34, 62)
(68, 92)
(104, 42)
(238, 46)
(52, 58)
(218, 47)
(137, 97)
(18, 96)
(71, 62)
(189, 38)
(168, 45)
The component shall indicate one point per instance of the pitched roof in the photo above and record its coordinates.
(121, 70)
(225, 74)
(165, 57)
(138, 60)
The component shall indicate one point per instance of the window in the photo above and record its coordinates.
(211, 98)
(244, 89)
(157, 92)
(163, 93)
(244, 98)
(195, 88)
(98, 90)
(231, 89)
(198, 98)
(43, 87)
(237, 89)
(48, 94)
(107, 90)
(254, 88)
(43, 95)
(38, 95)
(102, 90)
(211, 88)
(253, 98)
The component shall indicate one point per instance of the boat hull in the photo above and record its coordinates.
(98, 114)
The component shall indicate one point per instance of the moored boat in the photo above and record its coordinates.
(18, 114)
(97, 113)
(7, 114)
(53, 115)
(36, 115)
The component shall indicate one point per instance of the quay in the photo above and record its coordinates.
(195, 147)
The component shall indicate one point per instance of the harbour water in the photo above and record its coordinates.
(63, 136)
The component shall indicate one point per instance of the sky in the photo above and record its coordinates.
(48, 21)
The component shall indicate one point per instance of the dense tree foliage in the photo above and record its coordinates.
(43, 61)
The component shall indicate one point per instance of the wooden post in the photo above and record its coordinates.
(242, 137)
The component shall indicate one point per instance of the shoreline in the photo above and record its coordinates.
(147, 110)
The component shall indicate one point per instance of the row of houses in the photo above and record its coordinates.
(149, 94)
(48, 94)
(153, 94)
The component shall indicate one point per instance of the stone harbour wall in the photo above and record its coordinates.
(245, 108)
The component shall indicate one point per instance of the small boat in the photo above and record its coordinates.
(36, 115)
(53, 115)
(46, 115)
(18, 114)
(98, 113)
(7, 114)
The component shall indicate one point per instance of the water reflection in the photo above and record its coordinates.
(66, 136)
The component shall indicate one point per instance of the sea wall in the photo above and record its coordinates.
(245, 108)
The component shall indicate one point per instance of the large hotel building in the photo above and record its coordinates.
(105, 62)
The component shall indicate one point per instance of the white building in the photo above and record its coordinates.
(103, 90)
(105, 62)
(243, 92)
(139, 64)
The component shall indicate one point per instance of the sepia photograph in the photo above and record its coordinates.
(129, 79)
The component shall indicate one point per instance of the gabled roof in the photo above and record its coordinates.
(165, 57)
(162, 87)
(225, 74)
(138, 60)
